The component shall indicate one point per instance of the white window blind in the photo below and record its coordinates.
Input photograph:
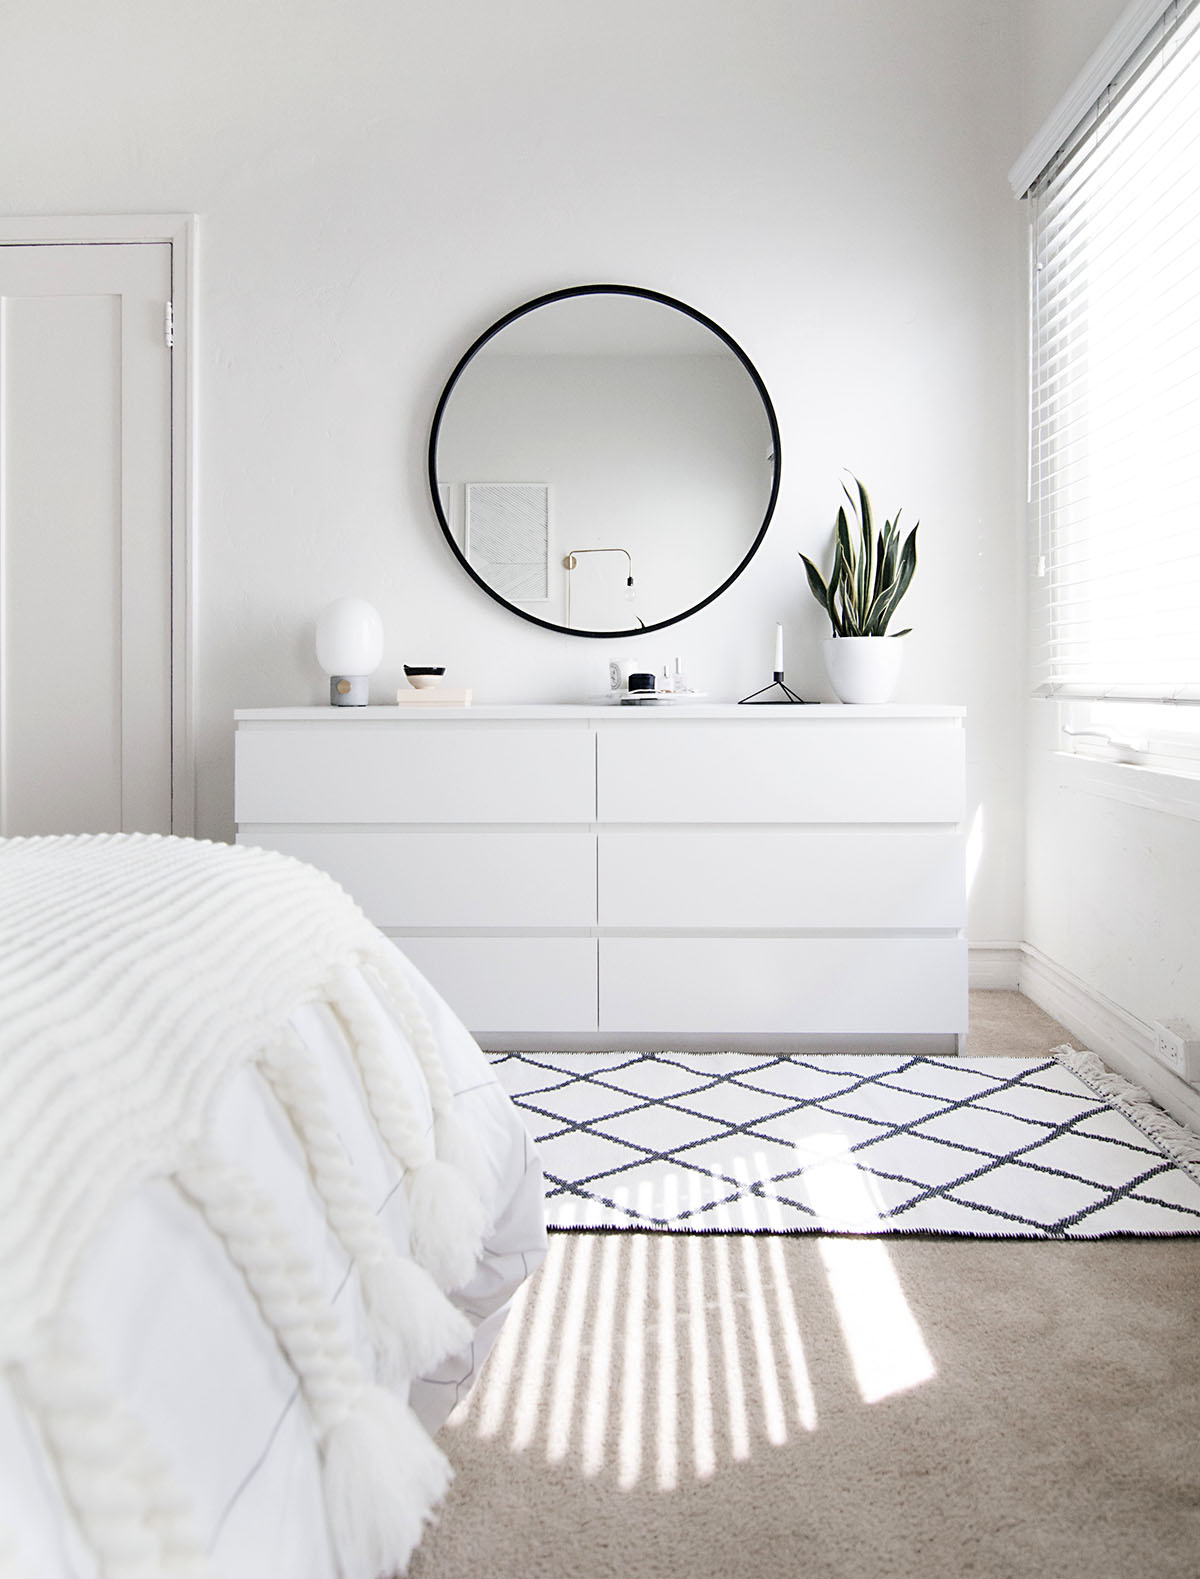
(1115, 388)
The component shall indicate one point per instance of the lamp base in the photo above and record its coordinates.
(349, 690)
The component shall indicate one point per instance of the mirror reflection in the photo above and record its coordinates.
(604, 461)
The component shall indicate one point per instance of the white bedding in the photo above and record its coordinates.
(181, 1341)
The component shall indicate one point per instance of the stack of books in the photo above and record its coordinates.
(433, 696)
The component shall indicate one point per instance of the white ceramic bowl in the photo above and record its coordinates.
(422, 681)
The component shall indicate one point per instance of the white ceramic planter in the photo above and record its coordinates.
(863, 668)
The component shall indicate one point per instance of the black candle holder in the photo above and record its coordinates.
(760, 698)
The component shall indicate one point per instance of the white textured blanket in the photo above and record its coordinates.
(137, 974)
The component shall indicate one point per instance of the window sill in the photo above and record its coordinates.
(1178, 794)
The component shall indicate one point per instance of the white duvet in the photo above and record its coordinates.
(181, 1341)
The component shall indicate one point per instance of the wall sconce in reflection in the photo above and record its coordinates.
(570, 564)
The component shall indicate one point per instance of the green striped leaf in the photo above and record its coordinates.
(871, 570)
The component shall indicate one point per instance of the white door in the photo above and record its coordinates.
(85, 539)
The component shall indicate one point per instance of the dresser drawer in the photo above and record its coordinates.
(450, 877)
(843, 770)
(785, 878)
(511, 985)
(721, 986)
(347, 772)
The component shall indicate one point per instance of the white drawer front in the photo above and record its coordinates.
(512, 984)
(343, 772)
(715, 986)
(451, 877)
(870, 770)
(827, 877)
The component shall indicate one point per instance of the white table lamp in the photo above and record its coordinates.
(349, 648)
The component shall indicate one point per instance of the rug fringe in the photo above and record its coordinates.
(1181, 1144)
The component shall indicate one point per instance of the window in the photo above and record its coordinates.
(1114, 473)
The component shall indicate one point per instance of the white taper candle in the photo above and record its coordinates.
(779, 649)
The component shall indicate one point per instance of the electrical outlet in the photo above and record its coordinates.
(1179, 1050)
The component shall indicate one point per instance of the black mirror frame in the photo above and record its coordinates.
(601, 290)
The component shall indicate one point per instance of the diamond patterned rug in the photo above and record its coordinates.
(846, 1143)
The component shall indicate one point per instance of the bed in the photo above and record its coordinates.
(263, 1207)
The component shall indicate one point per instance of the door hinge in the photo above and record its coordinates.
(169, 324)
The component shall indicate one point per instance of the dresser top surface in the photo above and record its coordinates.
(811, 712)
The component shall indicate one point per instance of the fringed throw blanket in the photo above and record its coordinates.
(137, 974)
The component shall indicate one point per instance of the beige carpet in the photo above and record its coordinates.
(804, 1408)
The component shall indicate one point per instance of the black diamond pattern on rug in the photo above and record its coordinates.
(844, 1143)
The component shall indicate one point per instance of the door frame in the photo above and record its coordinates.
(180, 232)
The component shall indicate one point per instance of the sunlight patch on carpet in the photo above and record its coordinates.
(885, 1344)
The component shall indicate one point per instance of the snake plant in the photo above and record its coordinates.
(871, 572)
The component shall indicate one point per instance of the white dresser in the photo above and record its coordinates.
(708, 876)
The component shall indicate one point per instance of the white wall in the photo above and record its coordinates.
(1060, 37)
(377, 180)
(1112, 889)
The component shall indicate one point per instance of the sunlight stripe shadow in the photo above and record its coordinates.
(539, 1327)
(596, 1408)
(564, 1396)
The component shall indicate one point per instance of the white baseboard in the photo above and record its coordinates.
(994, 967)
(1103, 1027)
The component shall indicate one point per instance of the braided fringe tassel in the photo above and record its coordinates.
(1137, 1105)
(411, 1323)
(122, 1494)
(445, 1213)
(452, 1142)
(381, 1473)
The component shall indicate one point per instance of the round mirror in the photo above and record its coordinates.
(604, 460)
